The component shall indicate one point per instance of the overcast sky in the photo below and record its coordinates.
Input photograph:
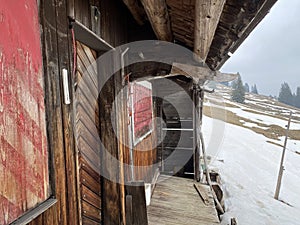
(271, 54)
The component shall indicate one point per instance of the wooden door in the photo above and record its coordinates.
(87, 135)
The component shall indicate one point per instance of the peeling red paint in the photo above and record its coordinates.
(142, 107)
(6, 204)
(16, 165)
(20, 33)
(23, 142)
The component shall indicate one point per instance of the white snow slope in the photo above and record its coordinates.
(249, 167)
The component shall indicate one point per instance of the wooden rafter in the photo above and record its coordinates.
(158, 16)
(207, 16)
(196, 72)
(136, 10)
(244, 33)
(200, 73)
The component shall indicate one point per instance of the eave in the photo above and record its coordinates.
(212, 28)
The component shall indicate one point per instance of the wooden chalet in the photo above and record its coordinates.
(54, 115)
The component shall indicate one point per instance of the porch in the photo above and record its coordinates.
(176, 201)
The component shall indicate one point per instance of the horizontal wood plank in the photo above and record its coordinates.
(91, 212)
(88, 221)
(93, 183)
(90, 197)
(176, 201)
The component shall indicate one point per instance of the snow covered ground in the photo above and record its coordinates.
(249, 165)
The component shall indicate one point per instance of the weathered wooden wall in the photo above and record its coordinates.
(58, 54)
(145, 156)
(24, 174)
(76, 184)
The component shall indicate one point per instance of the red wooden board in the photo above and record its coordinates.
(23, 144)
(142, 109)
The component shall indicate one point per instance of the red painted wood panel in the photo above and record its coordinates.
(142, 109)
(23, 141)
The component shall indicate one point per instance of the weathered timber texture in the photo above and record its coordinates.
(182, 16)
(75, 190)
(87, 134)
(56, 214)
(136, 10)
(220, 33)
(64, 62)
(199, 74)
(207, 15)
(111, 198)
(144, 157)
(159, 18)
(24, 172)
(169, 204)
(235, 21)
(139, 212)
(122, 131)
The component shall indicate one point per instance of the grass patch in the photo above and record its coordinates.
(273, 131)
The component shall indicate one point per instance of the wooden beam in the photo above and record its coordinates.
(196, 72)
(158, 16)
(225, 77)
(243, 35)
(207, 16)
(136, 10)
(201, 73)
(264, 10)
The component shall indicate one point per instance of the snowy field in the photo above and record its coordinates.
(249, 167)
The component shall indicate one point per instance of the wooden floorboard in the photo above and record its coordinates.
(175, 201)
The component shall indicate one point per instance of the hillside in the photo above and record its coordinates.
(245, 143)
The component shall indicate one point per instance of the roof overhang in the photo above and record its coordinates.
(213, 29)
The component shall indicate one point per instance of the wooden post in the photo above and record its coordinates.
(281, 168)
(218, 205)
(161, 138)
(139, 212)
(110, 187)
(196, 122)
(131, 141)
(129, 210)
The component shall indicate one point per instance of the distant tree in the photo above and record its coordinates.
(285, 94)
(293, 99)
(238, 92)
(297, 98)
(254, 89)
(246, 87)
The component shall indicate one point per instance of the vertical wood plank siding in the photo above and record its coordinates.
(57, 54)
(145, 155)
